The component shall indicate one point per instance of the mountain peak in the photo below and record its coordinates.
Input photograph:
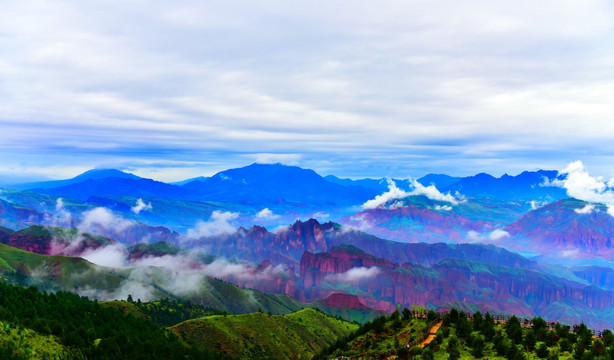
(97, 174)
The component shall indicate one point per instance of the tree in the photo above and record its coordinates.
(463, 327)
(598, 347)
(452, 348)
(514, 330)
(477, 321)
(432, 315)
(585, 336)
(453, 315)
(530, 339)
(130, 300)
(537, 323)
(551, 338)
(406, 314)
(478, 347)
(565, 345)
(488, 327)
(515, 353)
(428, 354)
(608, 338)
(542, 351)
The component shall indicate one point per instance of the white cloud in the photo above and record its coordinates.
(580, 185)
(63, 217)
(104, 218)
(140, 206)
(572, 253)
(538, 204)
(587, 209)
(360, 222)
(473, 236)
(498, 234)
(493, 236)
(354, 275)
(320, 215)
(443, 207)
(266, 214)
(112, 255)
(220, 222)
(394, 192)
(420, 78)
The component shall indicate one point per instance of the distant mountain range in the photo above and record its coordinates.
(437, 241)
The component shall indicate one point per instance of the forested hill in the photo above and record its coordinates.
(65, 325)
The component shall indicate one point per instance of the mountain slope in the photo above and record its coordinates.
(525, 186)
(118, 187)
(94, 174)
(53, 273)
(53, 240)
(287, 246)
(266, 183)
(384, 285)
(568, 228)
(251, 336)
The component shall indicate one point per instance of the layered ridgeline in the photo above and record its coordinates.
(287, 193)
(403, 274)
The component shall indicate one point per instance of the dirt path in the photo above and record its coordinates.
(431, 335)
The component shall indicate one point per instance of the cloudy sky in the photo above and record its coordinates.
(177, 89)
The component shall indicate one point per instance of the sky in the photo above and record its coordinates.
(174, 90)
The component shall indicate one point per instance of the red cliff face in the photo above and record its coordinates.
(341, 259)
(518, 290)
(340, 301)
(304, 236)
(39, 245)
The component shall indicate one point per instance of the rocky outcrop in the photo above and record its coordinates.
(286, 246)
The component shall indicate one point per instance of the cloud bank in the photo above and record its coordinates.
(582, 186)
(412, 88)
(394, 193)
(220, 222)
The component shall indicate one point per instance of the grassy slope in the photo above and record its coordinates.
(79, 275)
(301, 334)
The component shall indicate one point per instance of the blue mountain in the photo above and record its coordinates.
(439, 180)
(525, 186)
(118, 187)
(262, 183)
(379, 185)
(94, 174)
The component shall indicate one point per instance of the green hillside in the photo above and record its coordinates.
(63, 325)
(252, 336)
(53, 273)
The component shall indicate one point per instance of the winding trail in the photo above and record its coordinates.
(431, 335)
